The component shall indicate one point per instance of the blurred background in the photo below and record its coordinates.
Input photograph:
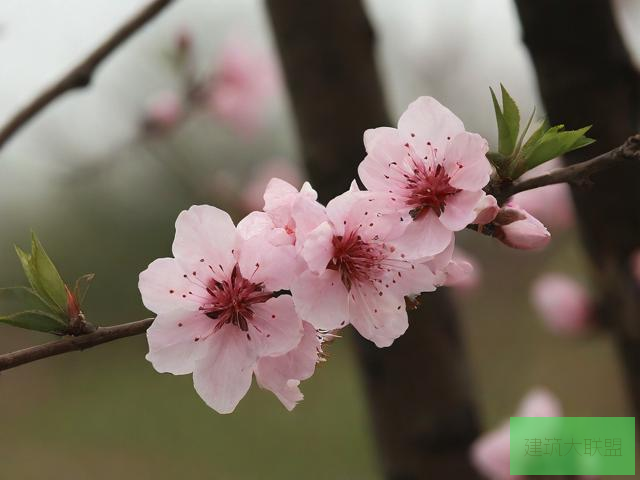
(102, 173)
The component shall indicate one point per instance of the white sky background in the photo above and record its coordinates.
(450, 49)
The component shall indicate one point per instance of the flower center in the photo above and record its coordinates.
(232, 300)
(356, 260)
(429, 190)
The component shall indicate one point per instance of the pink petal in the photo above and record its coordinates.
(432, 122)
(317, 250)
(321, 299)
(172, 345)
(223, 375)
(379, 318)
(278, 193)
(279, 329)
(255, 224)
(466, 162)
(424, 237)
(205, 238)
(460, 210)
(307, 214)
(283, 374)
(385, 149)
(164, 288)
(262, 262)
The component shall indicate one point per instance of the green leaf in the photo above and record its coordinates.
(43, 275)
(555, 142)
(512, 119)
(532, 141)
(508, 121)
(13, 299)
(36, 320)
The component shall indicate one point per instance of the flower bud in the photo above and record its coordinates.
(486, 210)
(517, 228)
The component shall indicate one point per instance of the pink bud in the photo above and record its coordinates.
(517, 228)
(563, 304)
(486, 210)
(163, 111)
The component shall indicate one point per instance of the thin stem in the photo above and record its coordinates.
(73, 343)
(80, 75)
(578, 173)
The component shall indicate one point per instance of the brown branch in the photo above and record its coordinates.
(70, 343)
(80, 75)
(576, 174)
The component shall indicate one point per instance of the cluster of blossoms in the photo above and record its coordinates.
(260, 298)
(236, 90)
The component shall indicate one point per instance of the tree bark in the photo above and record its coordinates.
(418, 389)
(586, 77)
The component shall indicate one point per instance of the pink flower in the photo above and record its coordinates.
(253, 194)
(164, 110)
(354, 275)
(490, 452)
(244, 80)
(289, 214)
(218, 310)
(430, 170)
(563, 304)
(517, 228)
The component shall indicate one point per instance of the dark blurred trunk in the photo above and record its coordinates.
(586, 77)
(418, 389)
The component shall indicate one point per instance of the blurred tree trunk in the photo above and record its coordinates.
(586, 77)
(418, 389)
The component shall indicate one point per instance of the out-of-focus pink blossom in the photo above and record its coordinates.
(490, 452)
(430, 171)
(563, 304)
(253, 193)
(551, 204)
(243, 81)
(354, 275)
(218, 310)
(163, 111)
(517, 228)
